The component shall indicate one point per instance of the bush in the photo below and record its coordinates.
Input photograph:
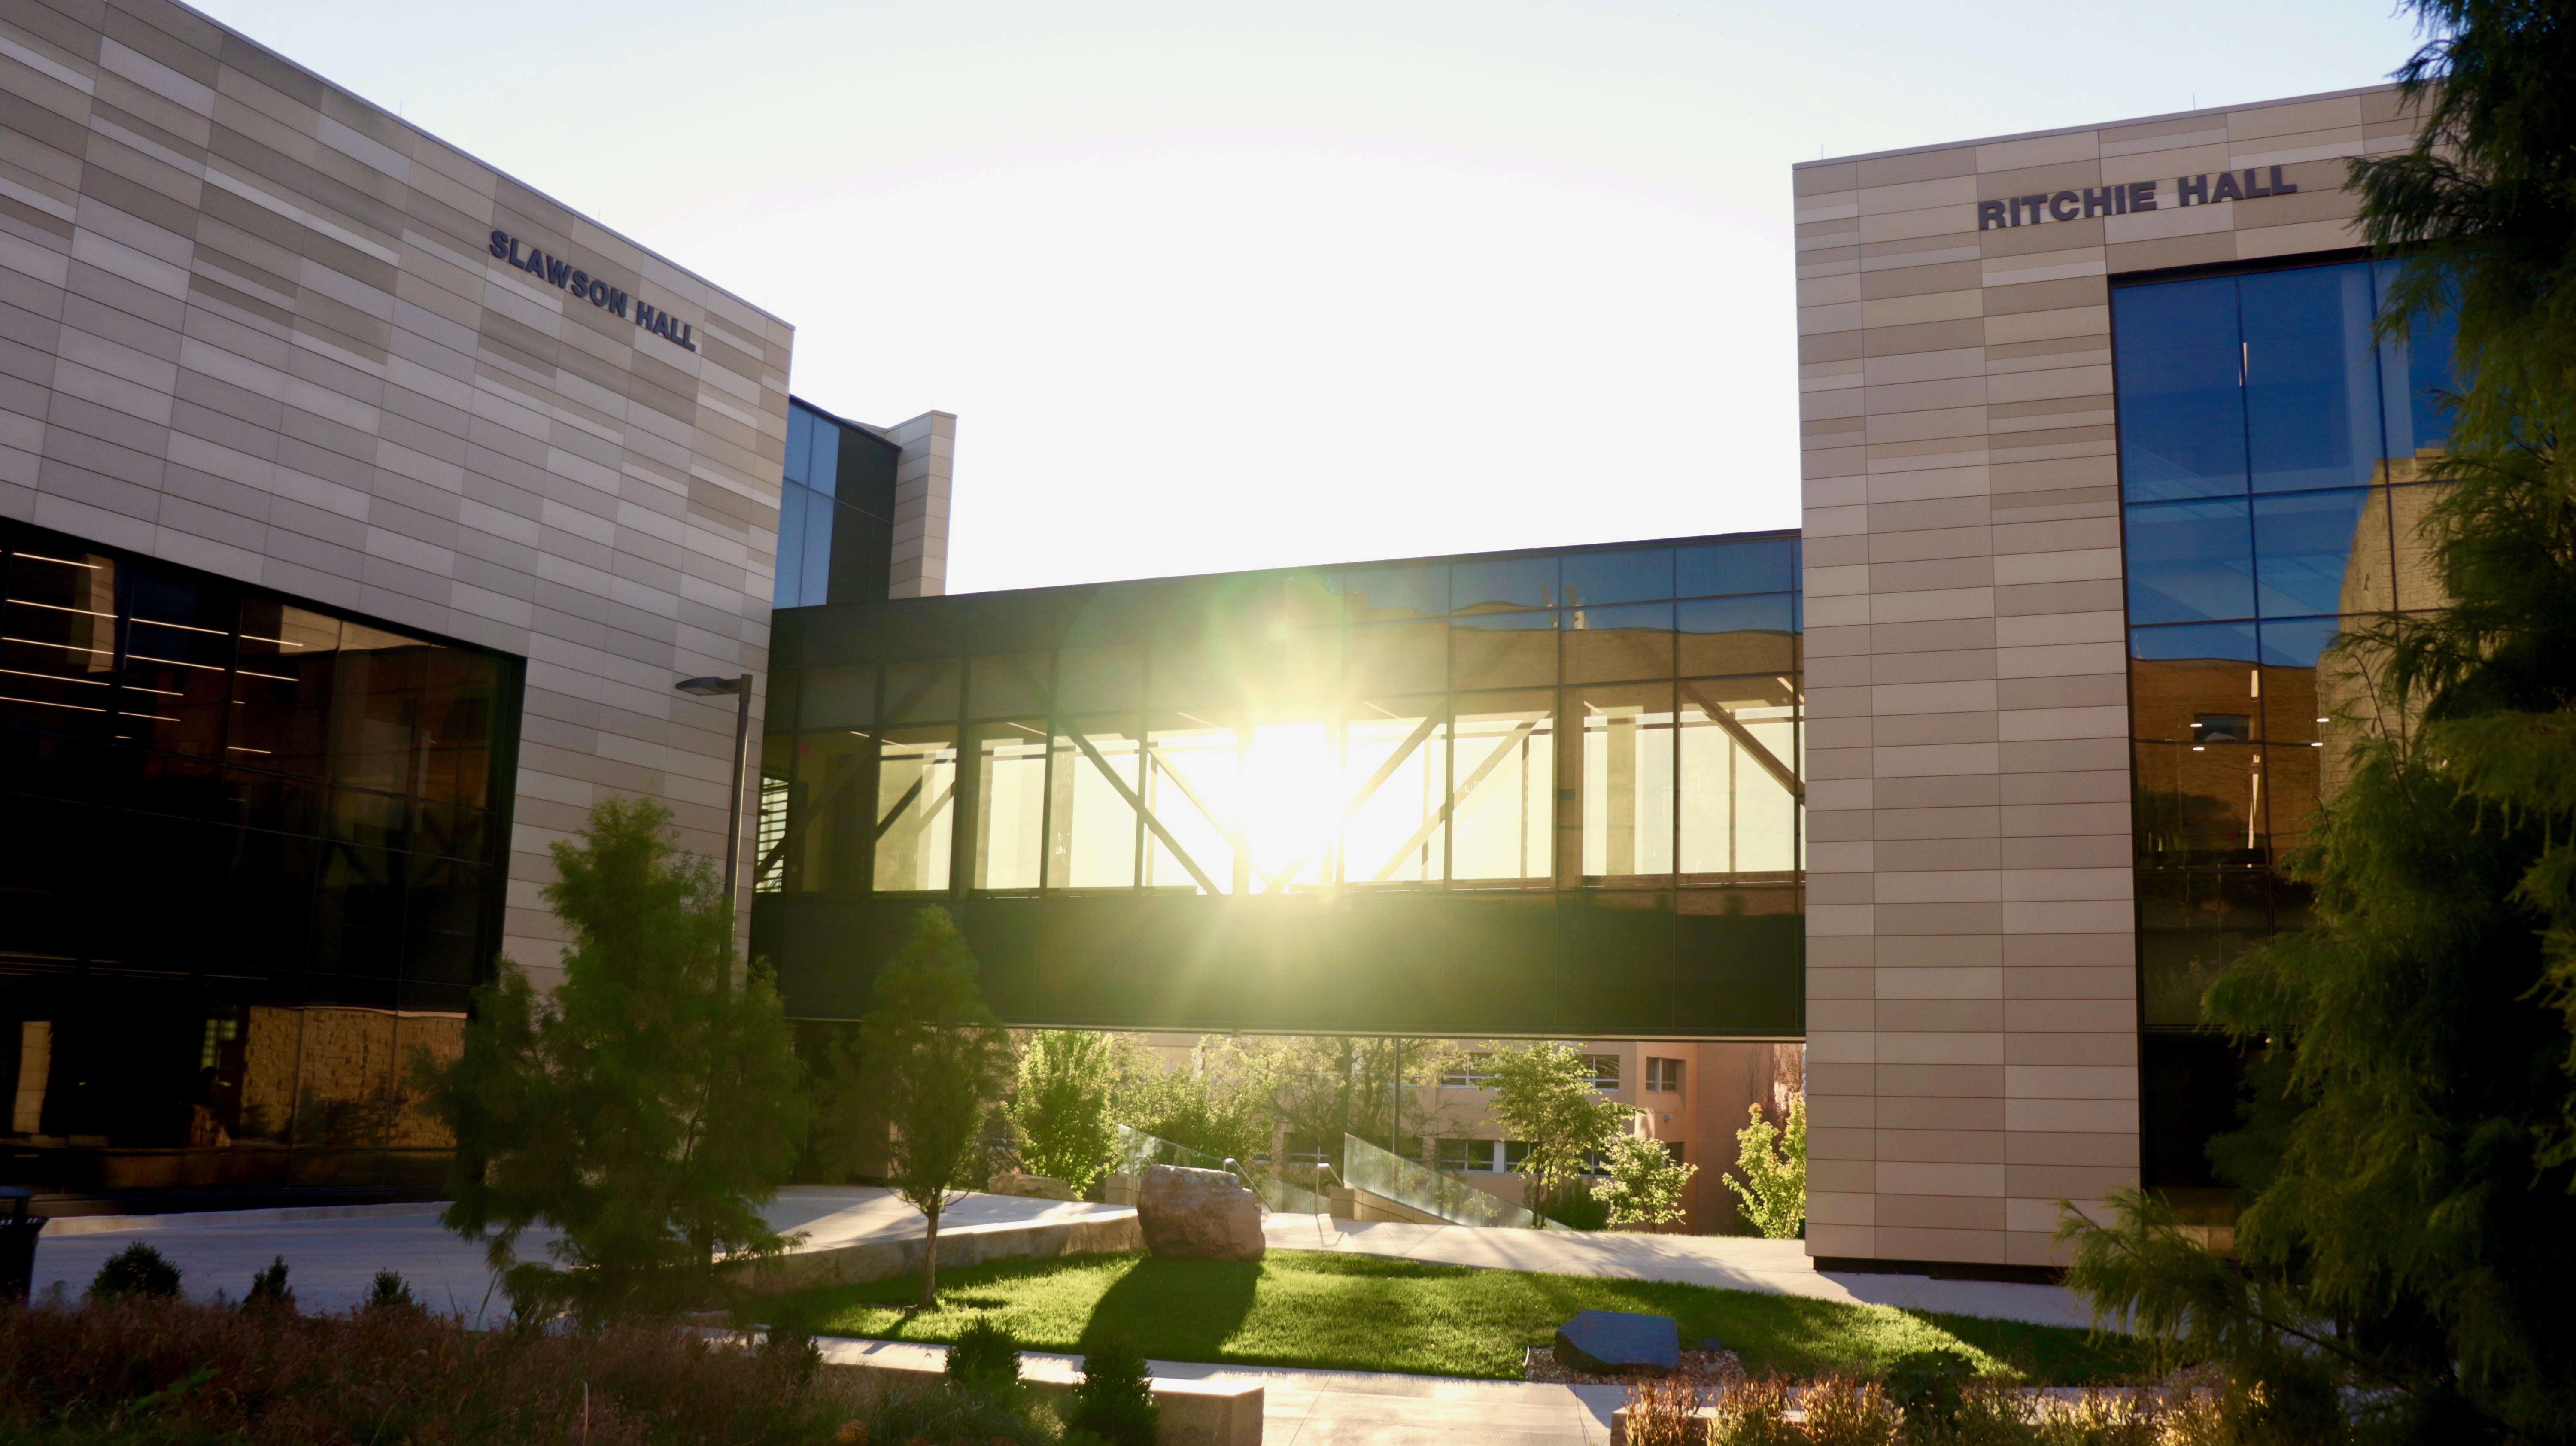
(1576, 1208)
(985, 1355)
(391, 1292)
(138, 1272)
(1115, 1401)
(143, 1370)
(268, 1289)
(1842, 1411)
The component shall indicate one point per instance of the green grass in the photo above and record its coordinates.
(1360, 1312)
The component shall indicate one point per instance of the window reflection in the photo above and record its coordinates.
(1504, 767)
(1628, 755)
(916, 794)
(1210, 736)
(308, 802)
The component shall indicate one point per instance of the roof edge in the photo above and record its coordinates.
(2215, 110)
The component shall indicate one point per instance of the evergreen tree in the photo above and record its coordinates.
(932, 1058)
(2406, 1217)
(650, 1105)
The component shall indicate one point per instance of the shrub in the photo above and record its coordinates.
(2099, 1418)
(268, 1289)
(391, 1292)
(138, 1272)
(985, 1355)
(1773, 1161)
(1842, 1411)
(1754, 1413)
(139, 1371)
(1929, 1387)
(1115, 1401)
(1661, 1410)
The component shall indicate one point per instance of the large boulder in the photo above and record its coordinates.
(1617, 1342)
(1198, 1214)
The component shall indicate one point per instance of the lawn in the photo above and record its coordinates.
(1360, 1312)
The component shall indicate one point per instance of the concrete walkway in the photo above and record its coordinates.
(334, 1253)
(1772, 1267)
(1302, 1407)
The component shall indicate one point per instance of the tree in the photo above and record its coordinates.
(650, 1106)
(1060, 1109)
(2404, 1166)
(1543, 1095)
(1773, 1161)
(1646, 1182)
(1222, 1104)
(933, 1057)
(2484, 206)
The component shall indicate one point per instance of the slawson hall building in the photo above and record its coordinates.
(360, 508)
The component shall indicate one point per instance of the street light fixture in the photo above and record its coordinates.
(741, 688)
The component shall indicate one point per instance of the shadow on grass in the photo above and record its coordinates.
(1176, 1310)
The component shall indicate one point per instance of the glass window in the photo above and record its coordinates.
(1192, 789)
(2311, 384)
(2199, 804)
(1504, 769)
(2322, 552)
(921, 692)
(1739, 634)
(787, 589)
(2418, 580)
(1293, 799)
(1010, 803)
(800, 441)
(2180, 361)
(823, 471)
(840, 697)
(1739, 769)
(1011, 683)
(814, 569)
(2192, 924)
(1502, 650)
(916, 794)
(1609, 643)
(1091, 816)
(377, 676)
(1502, 582)
(1629, 575)
(58, 663)
(2180, 676)
(1728, 567)
(2415, 381)
(1379, 594)
(1395, 783)
(1627, 779)
(832, 828)
(2190, 561)
(2296, 699)
(1101, 679)
(1399, 657)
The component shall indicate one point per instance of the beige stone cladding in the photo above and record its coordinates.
(1971, 1010)
(254, 325)
(922, 474)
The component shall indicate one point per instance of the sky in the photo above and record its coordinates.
(1214, 285)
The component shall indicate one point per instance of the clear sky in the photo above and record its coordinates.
(1217, 285)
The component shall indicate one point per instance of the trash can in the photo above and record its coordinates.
(18, 1231)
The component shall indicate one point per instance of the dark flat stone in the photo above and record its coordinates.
(1607, 1342)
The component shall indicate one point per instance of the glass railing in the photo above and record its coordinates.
(1134, 1151)
(1393, 1177)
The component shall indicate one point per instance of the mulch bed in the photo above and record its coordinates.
(1715, 1367)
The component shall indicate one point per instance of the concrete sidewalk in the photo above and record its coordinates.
(1772, 1267)
(332, 1260)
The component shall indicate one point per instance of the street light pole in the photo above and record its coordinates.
(741, 689)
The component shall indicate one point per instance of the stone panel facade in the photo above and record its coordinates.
(253, 324)
(1971, 986)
